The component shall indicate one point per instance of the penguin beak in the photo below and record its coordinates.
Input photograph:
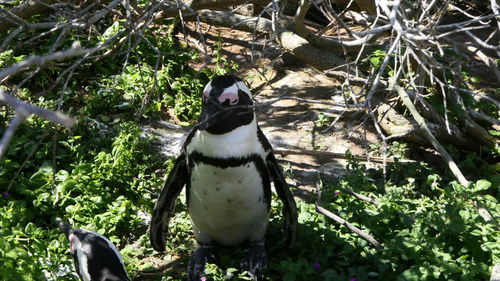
(63, 226)
(203, 122)
(210, 115)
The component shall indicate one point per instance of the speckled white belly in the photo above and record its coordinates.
(227, 205)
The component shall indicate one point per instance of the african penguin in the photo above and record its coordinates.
(95, 257)
(227, 165)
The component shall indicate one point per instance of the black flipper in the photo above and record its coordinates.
(176, 180)
(205, 253)
(255, 260)
(289, 207)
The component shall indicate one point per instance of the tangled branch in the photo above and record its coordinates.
(24, 110)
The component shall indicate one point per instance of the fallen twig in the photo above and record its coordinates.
(342, 221)
(335, 155)
(361, 196)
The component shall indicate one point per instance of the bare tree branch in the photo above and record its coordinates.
(345, 223)
(27, 109)
(334, 155)
(449, 160)
(420, 121)
(41, 60)
(23, 110)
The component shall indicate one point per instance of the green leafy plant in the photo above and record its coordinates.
(322, 120)
(104, 176)
(395, 149)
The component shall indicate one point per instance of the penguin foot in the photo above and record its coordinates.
(255, 260)
(205, 253)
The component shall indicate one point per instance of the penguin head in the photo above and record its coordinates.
(95, 257)
(72, 234)
(227, 105)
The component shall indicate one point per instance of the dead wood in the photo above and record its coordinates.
(483, 212)
(24, 110)
(334, 155)
(468, 124)
(345, 223)
(398, 126)
(172, 8)
(16, 16)
(289, 40)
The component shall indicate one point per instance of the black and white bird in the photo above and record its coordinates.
(95, 257)
(227, 165)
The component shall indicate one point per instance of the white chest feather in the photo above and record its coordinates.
(240, 142)
(228, 204)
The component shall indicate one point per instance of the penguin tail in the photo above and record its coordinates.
(63, 226)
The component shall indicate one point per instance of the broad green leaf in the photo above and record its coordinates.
(30, 228)
(482, 185)
(490, 246)
(411, 274)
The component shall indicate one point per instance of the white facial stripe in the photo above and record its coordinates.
(231, 96)
(82, 252)
(71, 239)
(242, 86)
(206, 91)
(229, 91)
(238, 86)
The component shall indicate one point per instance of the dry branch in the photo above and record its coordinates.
(335, 155)
(23, 110)
(345, 223)
(449, 160)
(468, 124)
(22, 12)
(26, 109)
(428, 134)
(41, 60)
(333, 44)
(353, 80)
(395, 124)
(171, 8)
